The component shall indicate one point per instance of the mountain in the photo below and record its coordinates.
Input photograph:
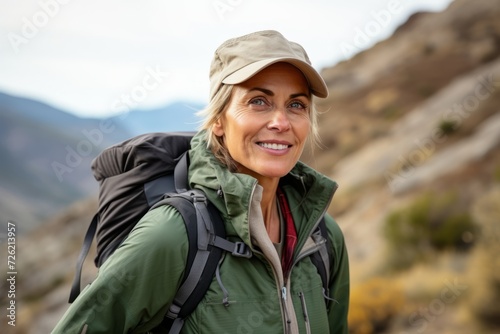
(178, 116)
(46, 152)
(411, 132)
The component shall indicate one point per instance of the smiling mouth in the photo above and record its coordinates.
(274, 146)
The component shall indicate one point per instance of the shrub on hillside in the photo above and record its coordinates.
(484, 299)
(448, 127)
(431, 223)
(373, 305)
(496, 174)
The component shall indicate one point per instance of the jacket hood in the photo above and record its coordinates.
(308, 192)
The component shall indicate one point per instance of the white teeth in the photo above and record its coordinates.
(274, 146)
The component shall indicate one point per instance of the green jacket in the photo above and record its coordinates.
(135, 286)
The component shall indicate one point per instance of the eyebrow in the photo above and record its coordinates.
(271, 93)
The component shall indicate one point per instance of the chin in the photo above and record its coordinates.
(267, 171)
(275, 173)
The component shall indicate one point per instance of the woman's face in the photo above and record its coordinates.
(266, 122)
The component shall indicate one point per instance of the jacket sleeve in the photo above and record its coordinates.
(339, 280)
(137, 283)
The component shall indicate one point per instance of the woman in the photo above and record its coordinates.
(245, 159)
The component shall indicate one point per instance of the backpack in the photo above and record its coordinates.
(143, 173)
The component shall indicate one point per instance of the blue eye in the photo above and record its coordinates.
(297, 105)
(258, 101)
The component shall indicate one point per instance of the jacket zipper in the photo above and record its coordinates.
(283, 295)
(300, 257)
(304, 311)
(282, 290)
(285, 309)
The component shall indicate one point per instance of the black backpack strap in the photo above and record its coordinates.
(207, 239)
(87, 243)
(321, 259)
(237, 248)
(202, 223)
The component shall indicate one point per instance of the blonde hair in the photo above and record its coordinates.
(211, 114)
(214, 111)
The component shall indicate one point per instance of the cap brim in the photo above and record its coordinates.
(316, 82)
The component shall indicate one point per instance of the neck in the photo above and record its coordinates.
(270, 211)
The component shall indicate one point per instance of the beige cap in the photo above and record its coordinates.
(240, 58)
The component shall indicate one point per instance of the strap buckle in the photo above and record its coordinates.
(242, 250)
(199, 198)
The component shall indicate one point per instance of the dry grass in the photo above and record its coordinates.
(456, 292)
(374, 304)
(485, 278)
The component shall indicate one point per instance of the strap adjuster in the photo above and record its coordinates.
(242, 250)
(199, 198)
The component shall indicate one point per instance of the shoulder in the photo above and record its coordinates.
(159, 230)
(334, 231)
(163, 221)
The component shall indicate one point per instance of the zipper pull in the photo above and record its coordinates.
(283, 293)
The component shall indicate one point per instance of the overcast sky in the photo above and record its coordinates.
(96, 58)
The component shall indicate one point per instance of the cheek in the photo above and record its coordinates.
(238, 124)
(230, 120)
(303, 126)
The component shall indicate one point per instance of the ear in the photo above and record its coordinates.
(218, 128)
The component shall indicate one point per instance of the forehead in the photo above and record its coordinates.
(279, 76)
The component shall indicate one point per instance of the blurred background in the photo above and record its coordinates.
(411, 132)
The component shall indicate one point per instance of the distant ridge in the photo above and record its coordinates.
(46, 152)
(178, 116)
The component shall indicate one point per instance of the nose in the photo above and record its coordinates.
(279, 120)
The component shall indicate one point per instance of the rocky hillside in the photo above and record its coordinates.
(417, 116)
(411, 132)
